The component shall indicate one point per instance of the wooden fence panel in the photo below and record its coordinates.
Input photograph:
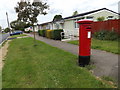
(106, 25)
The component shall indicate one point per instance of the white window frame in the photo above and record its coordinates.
(76, 25)
(90, 17)
(109, 17)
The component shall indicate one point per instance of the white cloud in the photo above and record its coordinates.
(67, 7)
(64, 7)
(7, 6)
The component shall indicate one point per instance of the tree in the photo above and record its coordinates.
(28, 12)
(57, 18)
(7, 30)
(19, 25)
(101, 18)
(75, 13)
(0, 28)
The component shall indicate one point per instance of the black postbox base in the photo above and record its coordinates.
(83, 60)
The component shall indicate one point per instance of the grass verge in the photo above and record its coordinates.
(3, 44)
(110, 79)
(17, 35)
(44, 66)
(109, 46)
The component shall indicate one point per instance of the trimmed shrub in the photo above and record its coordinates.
(106, 35)
(39, 32)
(100, 35)
(42, 33)
(56, 34)
(46, 33)
(111, 36)
(52, 34)
(49, 34)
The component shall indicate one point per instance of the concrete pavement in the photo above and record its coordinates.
(106, 63)
(3, 37)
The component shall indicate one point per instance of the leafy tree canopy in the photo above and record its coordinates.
(101, 18)
(57, 18)
(28, 12)
(0, 27)
(7, 30)
(75, 13)
(19, 25)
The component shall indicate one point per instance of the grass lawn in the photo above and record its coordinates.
(44, 66)
(109, 46)
(18, 35)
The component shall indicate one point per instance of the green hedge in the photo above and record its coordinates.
(39, 32)
(52, 34)
(56, 34)
(42, 33)
(106, 35)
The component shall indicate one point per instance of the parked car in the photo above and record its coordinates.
(16, 33)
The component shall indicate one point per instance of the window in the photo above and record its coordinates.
(89, 17)
(110, 17)
(57, 26)
(62, 25)
(48, 26)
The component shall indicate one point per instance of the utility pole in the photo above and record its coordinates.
(8, 21)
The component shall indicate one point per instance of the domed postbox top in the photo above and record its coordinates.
(84, 22)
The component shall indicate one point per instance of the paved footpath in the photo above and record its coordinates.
(106, 63)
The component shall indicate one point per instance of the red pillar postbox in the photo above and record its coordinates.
(84, 42)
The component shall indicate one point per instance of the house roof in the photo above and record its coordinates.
(82, 14)
(51, 22)
(44, 23)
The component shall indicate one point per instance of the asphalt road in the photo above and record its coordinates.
(3, 37)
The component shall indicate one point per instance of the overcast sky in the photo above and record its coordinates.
(63, 7)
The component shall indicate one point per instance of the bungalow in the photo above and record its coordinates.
(47, 25)
(69, 25)
(52, 25)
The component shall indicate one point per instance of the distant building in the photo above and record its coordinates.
(69, 25)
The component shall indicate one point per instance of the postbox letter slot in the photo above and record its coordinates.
(88, 28)
(89, 34)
